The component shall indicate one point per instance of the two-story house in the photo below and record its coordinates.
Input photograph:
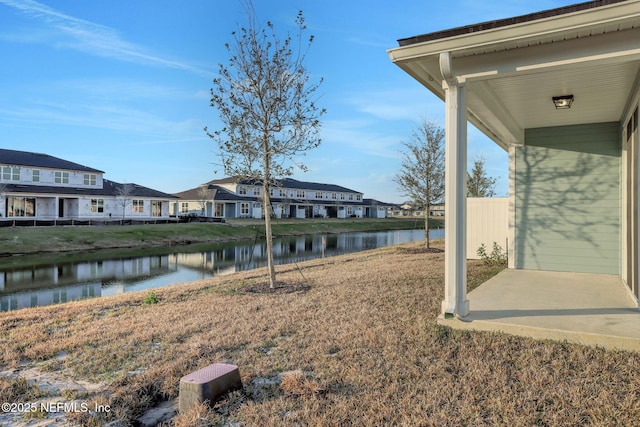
(40, 186)
(230, 198)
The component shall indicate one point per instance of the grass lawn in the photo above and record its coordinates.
(29, 240)
(355, 342)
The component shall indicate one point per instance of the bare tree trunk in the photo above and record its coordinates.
(426, 224)
(266, 207)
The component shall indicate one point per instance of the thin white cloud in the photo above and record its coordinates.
(379, 42)
(361, 136)
(117, 89)
(86, 36)
(396, 104)
(134, 122)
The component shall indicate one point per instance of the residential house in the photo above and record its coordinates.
(408, 209)
(40, 186)
(230, 198)
(559, 90)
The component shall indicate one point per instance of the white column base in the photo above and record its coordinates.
(459, 310)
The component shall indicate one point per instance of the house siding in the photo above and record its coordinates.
(568, 198)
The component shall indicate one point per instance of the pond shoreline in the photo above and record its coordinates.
(105, 273)
(21, 241)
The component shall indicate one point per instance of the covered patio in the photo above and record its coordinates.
(559, 90)
(584, 308)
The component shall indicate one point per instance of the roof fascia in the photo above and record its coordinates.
(603, 15)
(598, 49)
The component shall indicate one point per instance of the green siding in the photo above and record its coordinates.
(567, 193)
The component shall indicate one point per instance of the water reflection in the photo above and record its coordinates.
(51, 284)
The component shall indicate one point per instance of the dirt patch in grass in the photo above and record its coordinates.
(420, 250)
(279, 288)
(360, 346)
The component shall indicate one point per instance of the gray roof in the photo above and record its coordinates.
(489, 25)
(26, 158)
(374, 202)
(110, 188)
(215, 193)
(114, 188)
(289, 183)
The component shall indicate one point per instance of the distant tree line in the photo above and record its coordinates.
(422, 171)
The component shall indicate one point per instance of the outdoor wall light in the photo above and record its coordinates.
(562, 102)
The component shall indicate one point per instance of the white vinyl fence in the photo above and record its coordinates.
(487, 222)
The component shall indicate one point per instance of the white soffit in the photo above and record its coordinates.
(592, 54)
(600, 94)
(559, 36)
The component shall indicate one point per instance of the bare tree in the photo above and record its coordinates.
(204, 195)
(124, 194)
(421, 175)
(266, 104)
(478, 183)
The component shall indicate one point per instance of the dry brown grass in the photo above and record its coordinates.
(356, 345)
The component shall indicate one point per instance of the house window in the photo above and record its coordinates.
(318, 194)
(97, 205)
(283, 193)
(244, 208)
(271, 192)
(156, 208)
(334, 196)
(21, 206)
(184, 207)
(138, 206)
(358, 197)
(90, 179)
(61, 177)
(242, 190)
(341, 196)
(350, 196)
(35, 175)
(10, 173)
(349, 211)
(257, 191)
(300, 194)
(219, 209)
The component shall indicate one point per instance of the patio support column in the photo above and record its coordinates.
(455, 231)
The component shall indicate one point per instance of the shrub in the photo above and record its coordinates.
(496, 257)
(151, 298)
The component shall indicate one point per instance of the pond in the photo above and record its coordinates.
(39, 285)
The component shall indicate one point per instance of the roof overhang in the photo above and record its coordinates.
(512, 70)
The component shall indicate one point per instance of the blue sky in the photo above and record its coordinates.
(123, 86)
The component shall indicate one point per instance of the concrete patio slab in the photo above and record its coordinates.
(591, 309)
